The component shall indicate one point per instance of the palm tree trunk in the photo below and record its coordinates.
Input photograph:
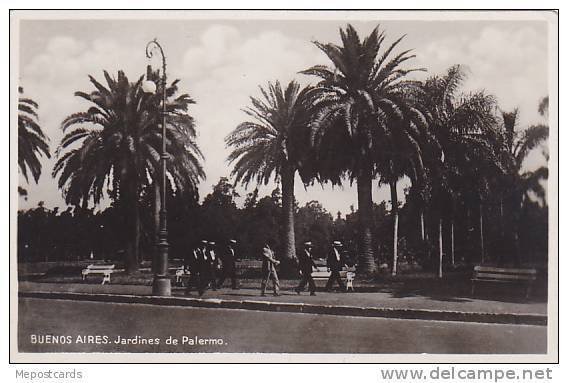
(394, 211)
(136, 258)
(440, 243)
(481, 233)
(289, 245)
(501, 220)
(133, 228)
(516, 228)
(453, 243)
(422, 225)
(367, 262)
(503, 247)
(468, 240)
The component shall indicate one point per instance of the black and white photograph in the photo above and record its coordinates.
(308, 186)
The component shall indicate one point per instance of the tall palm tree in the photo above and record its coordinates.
(275, 144)
(518, 184)
(355, 100)
(399, 152)
(115, 146)
(462, 158)
(518, 146)
(32, 142)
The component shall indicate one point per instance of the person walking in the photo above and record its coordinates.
(269, 263)
(229, 269)
(335, 263)
(191, 265)
(201, 267)
(214, 265)
(306, 265)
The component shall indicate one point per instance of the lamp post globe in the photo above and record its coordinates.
(149, 87)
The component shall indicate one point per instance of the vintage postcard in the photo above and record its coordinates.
(284, 186)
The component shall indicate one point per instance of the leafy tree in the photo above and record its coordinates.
(218, 213)
(355, 100)
(258, 222)
(120, 147)
(32, 142)
(315, 224)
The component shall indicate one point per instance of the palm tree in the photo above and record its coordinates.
(120, 146)
(355, 100)
(399, 152)
(32, 142)
(518, 184)
(275, 144)
(462, 159)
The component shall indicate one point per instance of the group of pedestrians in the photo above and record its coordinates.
(210, 265)
(306, 266)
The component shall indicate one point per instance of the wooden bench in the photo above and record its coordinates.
(503, 275)
(181, 274)
(346, 275)
(104, 270)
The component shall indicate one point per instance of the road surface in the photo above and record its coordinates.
(47, 325)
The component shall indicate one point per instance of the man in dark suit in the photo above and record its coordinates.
(229, 266)
(190, 264)
(199, 268)
(213, 265)
(335, 263)
(306, 265)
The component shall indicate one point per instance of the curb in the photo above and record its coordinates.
(305, 308)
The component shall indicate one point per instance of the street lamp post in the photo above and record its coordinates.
(161, 284)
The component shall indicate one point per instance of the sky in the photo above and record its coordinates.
(221, 62)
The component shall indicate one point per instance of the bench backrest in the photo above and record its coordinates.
(100, 267)
(321, 272)
(502, 273)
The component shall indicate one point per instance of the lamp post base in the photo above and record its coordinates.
(162, 286)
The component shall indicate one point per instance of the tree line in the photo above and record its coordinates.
(364, 119)
(51, 235)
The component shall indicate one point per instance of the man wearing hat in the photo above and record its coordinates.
(269, 263)
(229, 267)
(191, 264)
(306, 265)
(200, 272)
(335, 263)
(213, 263)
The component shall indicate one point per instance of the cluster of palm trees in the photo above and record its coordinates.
(364, 119)
(114, 148)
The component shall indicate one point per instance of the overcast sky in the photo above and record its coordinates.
(221, 63)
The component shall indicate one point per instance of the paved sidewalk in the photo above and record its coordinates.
(335, 303)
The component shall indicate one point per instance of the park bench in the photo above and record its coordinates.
(346, 275)
(104, 270)
(487, 274)
(181, 274)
